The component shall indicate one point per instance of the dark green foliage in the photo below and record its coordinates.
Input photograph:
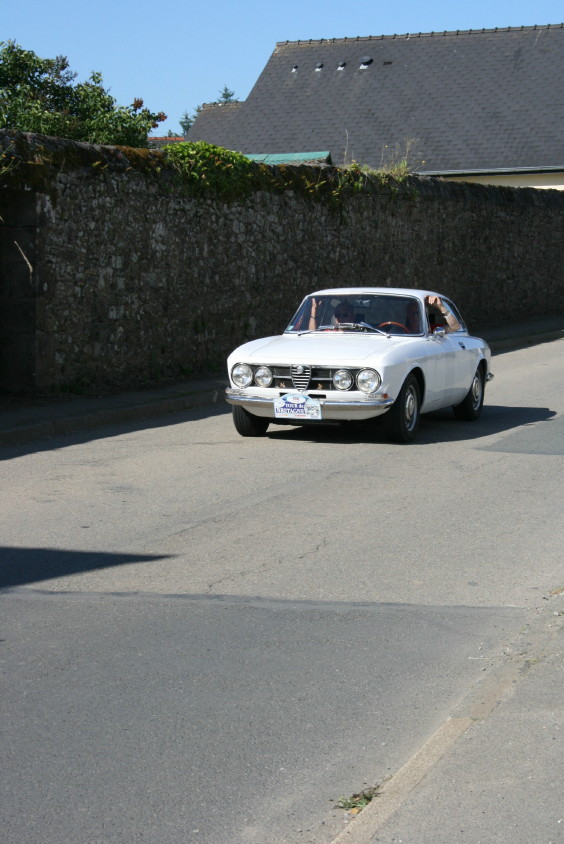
(210, 169)
(207, 169)
(40, 95)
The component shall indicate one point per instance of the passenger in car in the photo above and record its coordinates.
(343, 313)
(313, 314)
(435, 302)
(413, 317)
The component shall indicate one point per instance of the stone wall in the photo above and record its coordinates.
(113, 275)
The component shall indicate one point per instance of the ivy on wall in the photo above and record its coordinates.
(201, 169)
(206, 169)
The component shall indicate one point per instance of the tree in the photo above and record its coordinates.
(40, 95)
(225, 96)
(187, 119)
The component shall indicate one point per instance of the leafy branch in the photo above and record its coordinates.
(41, 96)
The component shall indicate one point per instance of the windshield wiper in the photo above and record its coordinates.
(351, 326)
(314, 330)
(359, 326)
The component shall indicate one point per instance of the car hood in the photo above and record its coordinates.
(319, 348)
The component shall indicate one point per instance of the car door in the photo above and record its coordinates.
(465, 361)
(451, 364)
(441, 380)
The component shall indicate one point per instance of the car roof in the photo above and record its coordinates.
(361, 291)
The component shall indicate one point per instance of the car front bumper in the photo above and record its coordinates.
(332, 409)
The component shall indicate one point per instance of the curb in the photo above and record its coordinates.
(111, 415)
(501, 682)
(506, 344)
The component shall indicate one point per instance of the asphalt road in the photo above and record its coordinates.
(211, 639)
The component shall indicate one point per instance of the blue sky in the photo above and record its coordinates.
(180, 53)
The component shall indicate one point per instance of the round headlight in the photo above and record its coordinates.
(368, 380)
(263, 376)
(342, 380)
(242, 375)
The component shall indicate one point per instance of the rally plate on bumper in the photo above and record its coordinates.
(296, 406)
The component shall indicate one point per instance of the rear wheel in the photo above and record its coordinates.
(402, 419)
(470, 407)
(247, 424)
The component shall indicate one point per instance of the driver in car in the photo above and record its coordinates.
(344, 312)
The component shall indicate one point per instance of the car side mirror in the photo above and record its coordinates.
(439, 331)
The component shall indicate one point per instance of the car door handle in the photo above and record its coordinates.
(461, 344)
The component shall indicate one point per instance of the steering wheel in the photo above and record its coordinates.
(399, 324)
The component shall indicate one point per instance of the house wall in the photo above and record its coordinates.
(113, 275)
(547, 181)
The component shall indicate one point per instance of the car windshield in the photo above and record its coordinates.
(365, 312)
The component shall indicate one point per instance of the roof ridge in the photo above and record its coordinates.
(497, 29)
(214, 104)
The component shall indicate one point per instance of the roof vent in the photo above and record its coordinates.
(294, 68)
(341, 65)
(386, 63)
(318, 66)
(365, 62)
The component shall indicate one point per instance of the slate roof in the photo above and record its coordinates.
(211, 118)
(471, 100)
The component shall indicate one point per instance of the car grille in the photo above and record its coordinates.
(304, 377)
(300, 377)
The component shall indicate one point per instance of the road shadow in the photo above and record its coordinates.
(30, 565)
(88, 429)
(439, 426)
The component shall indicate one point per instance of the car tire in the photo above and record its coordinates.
(402, 419)
(247, 424)
(470, 407)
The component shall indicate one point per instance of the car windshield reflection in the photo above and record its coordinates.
(368, 313)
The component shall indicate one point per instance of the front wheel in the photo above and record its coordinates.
(470, 407)
(247, 424)
(402, 419)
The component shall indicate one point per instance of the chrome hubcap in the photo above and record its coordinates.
(410, 408)
(476, 391)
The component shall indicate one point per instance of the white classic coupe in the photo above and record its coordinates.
(352, 354)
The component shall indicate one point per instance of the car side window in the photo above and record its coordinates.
(437, 320)
(434, 317)
(454, 310)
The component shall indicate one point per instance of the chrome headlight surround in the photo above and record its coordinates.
(342, 379)
(368, 380)
(263, 376)
(242, 375)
